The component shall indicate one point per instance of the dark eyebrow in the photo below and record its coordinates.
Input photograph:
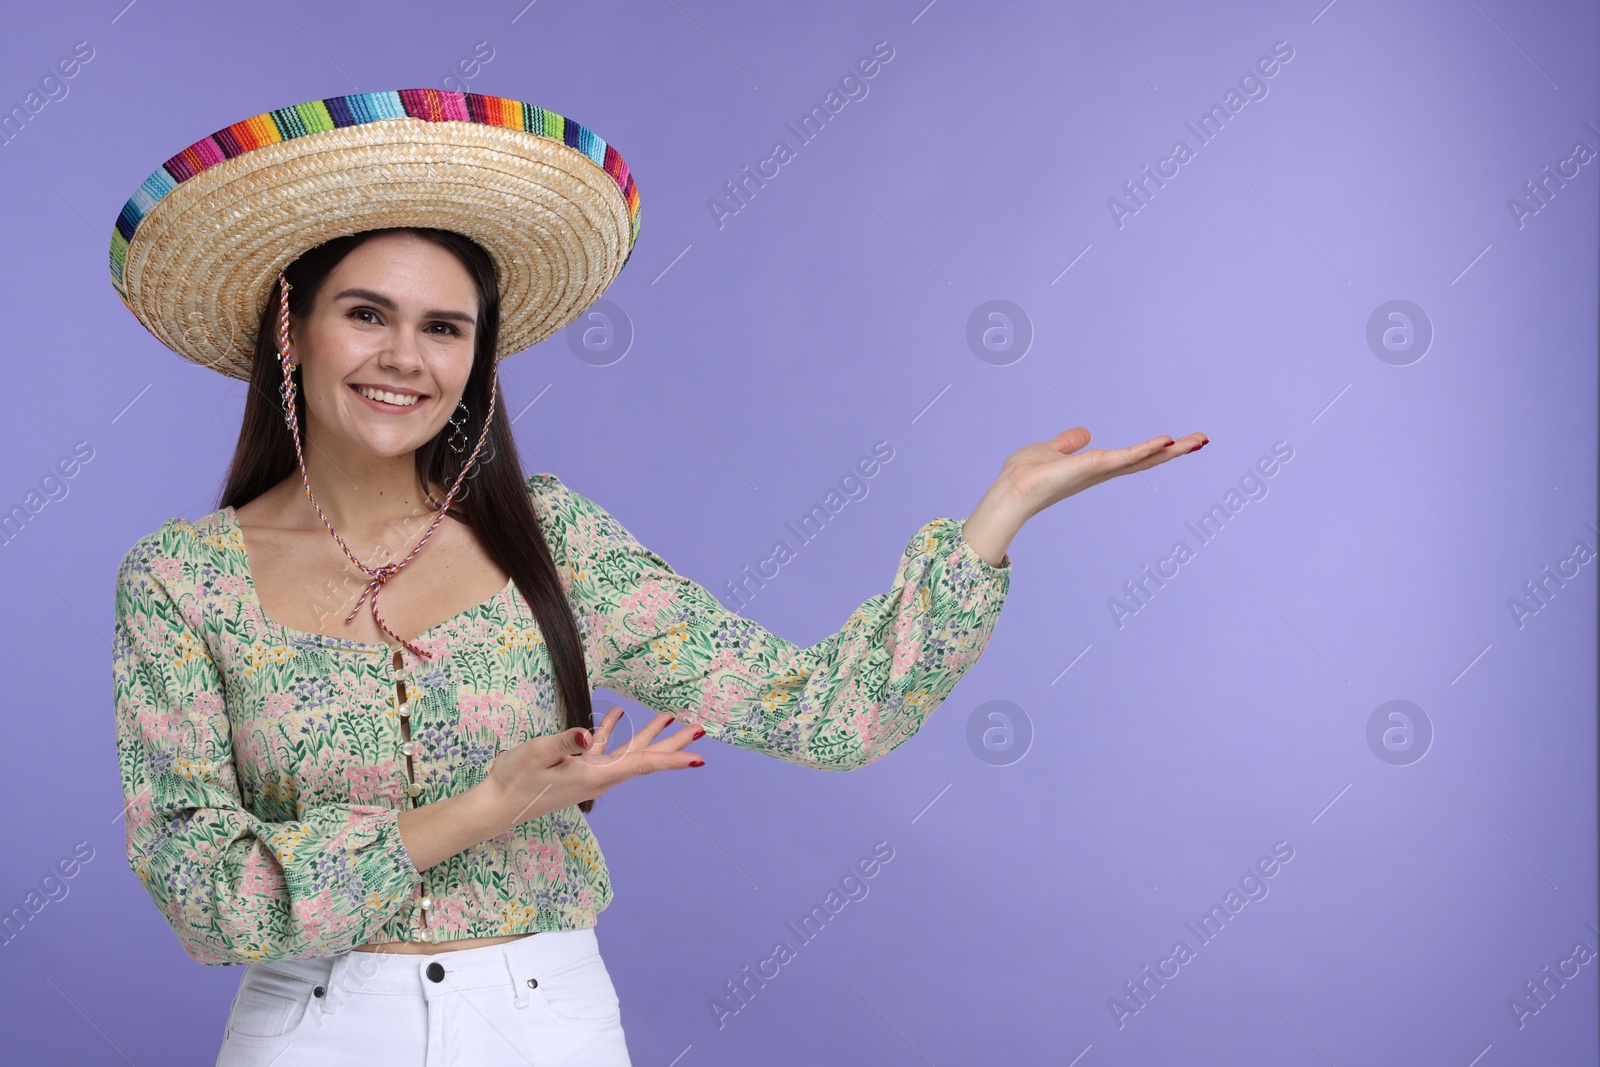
(385, 302)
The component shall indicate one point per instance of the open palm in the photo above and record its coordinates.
(554, 771)
(1046, 472)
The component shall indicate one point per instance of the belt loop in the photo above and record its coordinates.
(350, 971)
(333, 993)
(340, 962)
(519, 987)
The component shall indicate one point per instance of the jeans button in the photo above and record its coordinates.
(435, 972)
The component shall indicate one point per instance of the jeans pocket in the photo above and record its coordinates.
(580, 995)
(270, 1006)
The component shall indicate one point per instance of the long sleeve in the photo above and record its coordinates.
(839, 704)
(233, 887)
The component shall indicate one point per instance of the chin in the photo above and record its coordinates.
(401, 450)
(385, 448)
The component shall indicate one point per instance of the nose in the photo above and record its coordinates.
(403, 354)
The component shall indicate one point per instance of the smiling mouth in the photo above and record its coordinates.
(385, 400)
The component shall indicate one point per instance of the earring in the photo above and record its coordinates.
(459, 424)
(286, 393)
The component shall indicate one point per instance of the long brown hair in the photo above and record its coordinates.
(493, 499)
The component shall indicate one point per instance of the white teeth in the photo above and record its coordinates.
(404, 400)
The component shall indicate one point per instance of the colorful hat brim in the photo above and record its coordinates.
(197, 249)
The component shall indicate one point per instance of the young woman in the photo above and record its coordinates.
(388, 830)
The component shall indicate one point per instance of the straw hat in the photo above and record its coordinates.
(197, 249)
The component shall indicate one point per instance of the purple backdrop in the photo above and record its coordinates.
(1361, 699)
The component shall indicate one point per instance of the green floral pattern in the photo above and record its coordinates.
(261, 767)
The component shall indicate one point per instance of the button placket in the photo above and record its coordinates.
(408, 749)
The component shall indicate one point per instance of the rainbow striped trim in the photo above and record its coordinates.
(432, 105)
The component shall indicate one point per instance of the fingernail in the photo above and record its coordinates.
(671, 719)
(1169, 444)
(698, 763)
(583, 740)
(698, 733)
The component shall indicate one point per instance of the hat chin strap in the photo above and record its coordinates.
(377, 575)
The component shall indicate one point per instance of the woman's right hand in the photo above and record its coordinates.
(555, 771)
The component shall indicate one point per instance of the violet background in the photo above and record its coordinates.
(832, 311)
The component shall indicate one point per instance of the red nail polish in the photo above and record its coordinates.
(698, 733)
(583, 740)
(698, 763)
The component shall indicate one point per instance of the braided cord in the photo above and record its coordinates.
(377, 575)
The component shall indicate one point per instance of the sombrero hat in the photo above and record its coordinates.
(197, 249)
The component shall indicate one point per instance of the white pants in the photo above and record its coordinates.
(545, 1000)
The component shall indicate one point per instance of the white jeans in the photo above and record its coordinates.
(545, 1000)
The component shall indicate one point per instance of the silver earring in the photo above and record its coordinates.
(286, 393)
(459, 424)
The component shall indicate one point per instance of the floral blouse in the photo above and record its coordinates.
(264, 769)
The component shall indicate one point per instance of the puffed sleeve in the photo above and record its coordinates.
(659, 638)
(234, 888)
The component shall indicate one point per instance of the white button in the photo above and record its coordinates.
(404, 710)
(409, 748)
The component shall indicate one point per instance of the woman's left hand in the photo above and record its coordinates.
(1047, 472)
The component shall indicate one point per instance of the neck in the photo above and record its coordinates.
(369, 499)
